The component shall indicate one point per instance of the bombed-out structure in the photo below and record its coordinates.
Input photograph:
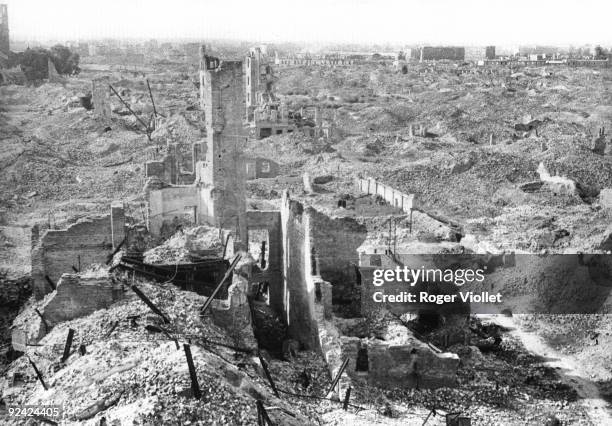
(308, 262)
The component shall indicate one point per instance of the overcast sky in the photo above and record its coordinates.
(478, 22)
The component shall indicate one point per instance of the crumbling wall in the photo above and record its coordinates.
(87, 242)
(391, 195)
(330, 342)
(334, 251)
(271, 222)
(100, 90)
(222, 173)
(410, 365)
(234, 315)
(257, 168)
(77, 296)
(176, 204)
(165, 169)
(298, 286)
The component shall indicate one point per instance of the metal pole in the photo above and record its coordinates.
(40, 377)
(146, 126)
(268, 376)
(195, 387)
(337, 378)
(216, 290)
(150, 304)
(151, 96)
(68, 345)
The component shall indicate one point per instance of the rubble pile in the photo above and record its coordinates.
(186, 245)
(124, 358)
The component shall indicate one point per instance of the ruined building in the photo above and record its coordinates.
(4, 36)
(217, 195)
(265, 113)
(437, 53)
(100, 90)
(329, 60)
(479, 53)
(222, 172)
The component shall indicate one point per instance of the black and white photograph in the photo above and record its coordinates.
(316, 213)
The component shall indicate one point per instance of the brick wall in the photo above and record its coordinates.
(257, 168)
(410, 365)
(298, 289)
(77, 296)
(333, 260)
(335, 242)
(164, 169)
(391, 195)
(222, 173)
(174, 204)
(271, 222)
(89, 241)
(234, 314)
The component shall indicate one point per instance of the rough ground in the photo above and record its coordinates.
(57, 164)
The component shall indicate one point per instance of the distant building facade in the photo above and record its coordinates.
(4, 37)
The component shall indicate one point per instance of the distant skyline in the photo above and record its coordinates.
(450, 22)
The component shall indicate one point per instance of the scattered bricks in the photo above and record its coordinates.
(111, 329)
(98, 406)
(150, 304)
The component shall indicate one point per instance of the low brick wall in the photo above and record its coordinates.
(77, 297)
(409, 366)
(391, 195)
(88, 241)
(234, 315)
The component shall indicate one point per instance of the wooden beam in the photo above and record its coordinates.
(148, 302)
(195, 386)
(228, 274)
(68, 345)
